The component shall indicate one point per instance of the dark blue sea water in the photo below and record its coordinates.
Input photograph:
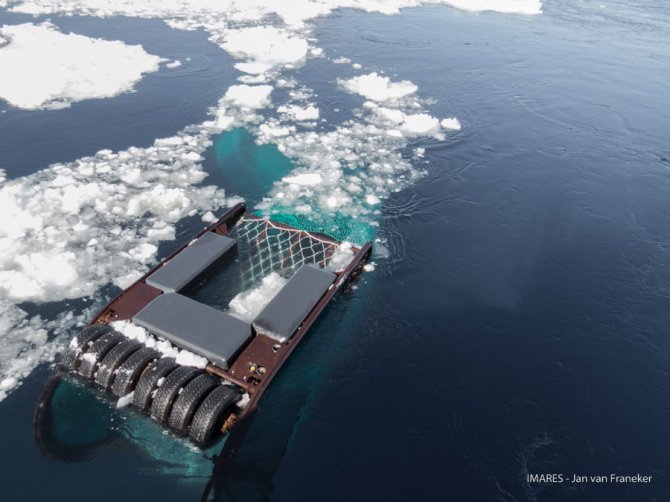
(519, 324)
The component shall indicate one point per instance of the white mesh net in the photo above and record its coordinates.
(273, 247)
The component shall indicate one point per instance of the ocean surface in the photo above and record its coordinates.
(516, 322)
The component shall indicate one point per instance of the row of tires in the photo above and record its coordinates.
(187, 400)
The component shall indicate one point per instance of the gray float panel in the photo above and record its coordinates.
(196, 327)
(289, 308)
(187, 266)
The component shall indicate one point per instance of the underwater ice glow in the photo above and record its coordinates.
(109, 212)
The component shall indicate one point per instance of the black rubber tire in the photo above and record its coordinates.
(131, 370)
(147, 383)
(188, 401)
(114, 358)
(211, 414)
(99, 349)
(168, 392)
(76, 349)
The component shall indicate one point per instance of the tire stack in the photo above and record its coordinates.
(187, 400)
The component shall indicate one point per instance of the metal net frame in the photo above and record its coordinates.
(272, 247)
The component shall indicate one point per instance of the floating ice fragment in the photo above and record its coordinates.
(249, 96)
(8, 384)
(451, 124)
(265, 45)
(378, 88)
(306, 179)
(298, 113)
(420, 124)
(44, 68)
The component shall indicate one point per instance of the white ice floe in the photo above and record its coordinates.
(378, 88)
(300, 113)
(248, 304)
(265, 45)
(44, 68)
(451, 124)
(249, 96)
(173, 64)
(420, 124)
(306, 179)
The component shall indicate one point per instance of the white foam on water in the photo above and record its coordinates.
(44, 68)
(248, 304)
(101, 218)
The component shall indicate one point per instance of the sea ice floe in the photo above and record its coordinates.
(248, 96)
(420, 124)
(306, 179)
(378, 88)
(265, 45)
(451, 124)
(299, 113)
(44, 68)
